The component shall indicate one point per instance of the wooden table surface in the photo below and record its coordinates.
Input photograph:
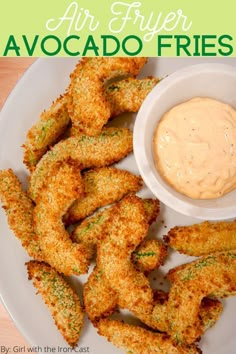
(11, 69)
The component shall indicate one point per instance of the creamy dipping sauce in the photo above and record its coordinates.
(195, 148)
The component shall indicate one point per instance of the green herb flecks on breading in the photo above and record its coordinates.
(213, 275)
(61, 299)
(84, 153)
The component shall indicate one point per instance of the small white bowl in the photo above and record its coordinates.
(216, 81)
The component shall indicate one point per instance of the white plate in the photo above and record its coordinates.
(42, 83)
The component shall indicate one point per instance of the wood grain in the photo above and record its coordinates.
(11, 69)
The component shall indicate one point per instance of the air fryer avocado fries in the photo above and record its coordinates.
(71, 178)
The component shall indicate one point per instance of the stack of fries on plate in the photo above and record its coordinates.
(69, 153)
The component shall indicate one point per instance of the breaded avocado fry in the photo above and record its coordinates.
(128, 95)
(209, 312)
(137, 340)
(214, 276)
(123, 96)
(93, 229)
(127, 228)
(102, 186)
(61, 299)
(88, 108)
(46, 131)
(99, 298)
(19, 210)
(86, 151)
(149, 255)
(204, 238)
(63, 188)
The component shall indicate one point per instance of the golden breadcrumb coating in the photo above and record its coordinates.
(61, 299)
(204, 238)
(64, 187)
(214, 276)
(209, 312)
(19, 210)
(99, 298)
(128, 95)
(149, 255)
(127, 228)
(137, 340)
(152, 209)
(88, 108)
(102, 186)
(92, 230)
(123, 96)
(86, 151)
(46, 131)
